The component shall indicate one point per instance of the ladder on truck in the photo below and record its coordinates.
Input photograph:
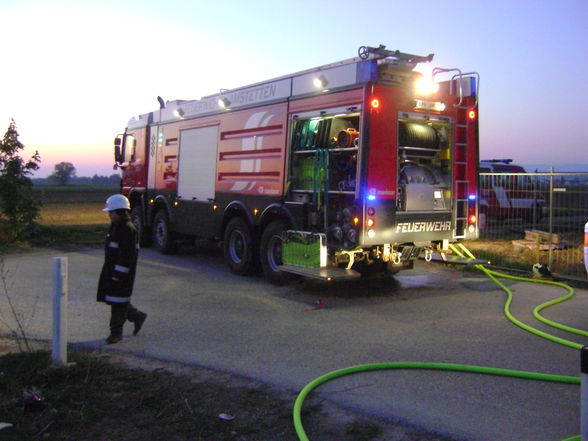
(460, 157)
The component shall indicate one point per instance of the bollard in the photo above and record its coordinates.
(59, 349)
(584, 393)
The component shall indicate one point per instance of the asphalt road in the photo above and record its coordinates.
(201, 314)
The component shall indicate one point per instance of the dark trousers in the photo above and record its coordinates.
(119, 314)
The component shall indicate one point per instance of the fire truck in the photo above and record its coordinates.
(507, 192)
(352, 168)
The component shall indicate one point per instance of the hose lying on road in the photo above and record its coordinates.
(459, 367)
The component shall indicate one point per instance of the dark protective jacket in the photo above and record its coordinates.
(115, 285)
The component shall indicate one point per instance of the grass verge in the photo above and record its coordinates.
(100, 399)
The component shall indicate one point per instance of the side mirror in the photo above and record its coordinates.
(117, 150)
(117, 154)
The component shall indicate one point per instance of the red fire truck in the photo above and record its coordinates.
(507, 192)
(351, 168)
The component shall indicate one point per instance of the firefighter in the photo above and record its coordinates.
(115, 285)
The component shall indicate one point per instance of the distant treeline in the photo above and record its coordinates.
(113, 179)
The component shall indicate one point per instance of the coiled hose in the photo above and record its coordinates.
(459, 367)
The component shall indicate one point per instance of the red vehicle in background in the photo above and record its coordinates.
(508, 192)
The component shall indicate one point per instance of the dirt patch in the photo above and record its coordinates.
(109, 395)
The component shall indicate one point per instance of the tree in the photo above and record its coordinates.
(63, 172)
(19, 207)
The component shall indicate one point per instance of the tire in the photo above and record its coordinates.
(370, 271)
(482, 219)
(239, 247)
(145, 238)
(270, 252)
(163, 239)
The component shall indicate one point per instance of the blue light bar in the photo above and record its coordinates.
(472, 197)
(371, 197)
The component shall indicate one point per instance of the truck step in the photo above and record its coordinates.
(456, 260)
(326, 273)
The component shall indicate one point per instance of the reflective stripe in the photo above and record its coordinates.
(117, 299)
(113, 244)
(121, 269)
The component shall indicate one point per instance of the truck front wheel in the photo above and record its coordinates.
(163, 238)
(271, 252)
(142, 230)
(238, 247)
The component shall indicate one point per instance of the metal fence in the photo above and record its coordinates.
(528, 218)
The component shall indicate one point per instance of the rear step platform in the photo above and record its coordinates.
(456, 260)
(327, 273)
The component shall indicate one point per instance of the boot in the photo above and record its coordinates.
(136, 317)
(113, 338)
(138, 322)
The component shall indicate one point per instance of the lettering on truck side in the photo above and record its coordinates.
(420, 227)
(252, 96)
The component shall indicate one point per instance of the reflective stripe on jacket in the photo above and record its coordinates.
(121, 251)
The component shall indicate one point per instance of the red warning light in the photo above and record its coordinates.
(472, 114)
(472, 219)
(375, 103)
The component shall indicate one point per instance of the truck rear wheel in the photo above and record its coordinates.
(238, 247)
(163, 238)
(271, 252)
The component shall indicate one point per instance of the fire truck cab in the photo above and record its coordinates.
(355, 167)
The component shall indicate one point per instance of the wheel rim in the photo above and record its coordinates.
(137, 223)
(274, 252)
(237, 246)
(161, 233)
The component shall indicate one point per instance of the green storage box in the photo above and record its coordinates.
(304, 248)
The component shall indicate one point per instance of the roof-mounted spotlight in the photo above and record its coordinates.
(224, 102)
(320, 82)
(425, 86)
(178, 113)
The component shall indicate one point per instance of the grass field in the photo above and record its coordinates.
(72, 215)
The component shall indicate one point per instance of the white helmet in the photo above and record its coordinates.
(117, 202)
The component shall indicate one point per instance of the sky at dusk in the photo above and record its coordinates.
(74, 72)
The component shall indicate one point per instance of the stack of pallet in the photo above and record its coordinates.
(540, 240)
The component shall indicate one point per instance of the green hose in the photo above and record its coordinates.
(465, 368)
(411, 365)
(493, 274)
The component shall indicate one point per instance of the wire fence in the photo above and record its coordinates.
(528, 218)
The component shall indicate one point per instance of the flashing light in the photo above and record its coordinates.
(472, 114)
(472, 197)
(375, 103)
(355, 220)
(371, 197)
(370, 222)
(371, 234)
(472, 219)
(215, 207)
(255, 211)
(425, 86)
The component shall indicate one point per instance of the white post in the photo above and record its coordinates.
(586, 246)
(59, 353)
(584, 393)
